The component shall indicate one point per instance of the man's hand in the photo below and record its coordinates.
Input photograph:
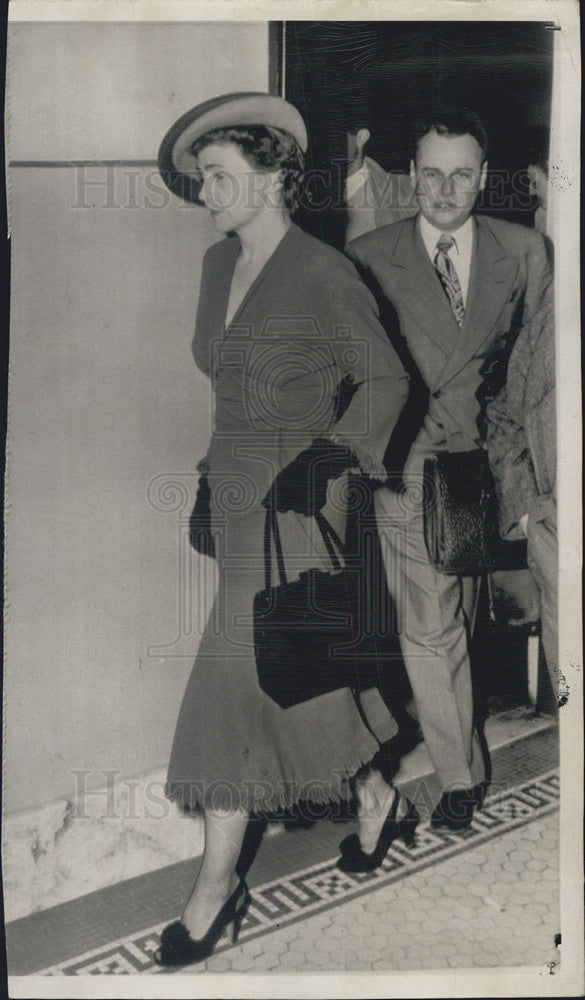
(523, 524)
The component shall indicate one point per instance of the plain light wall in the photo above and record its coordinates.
(102, 90)
(104, 396)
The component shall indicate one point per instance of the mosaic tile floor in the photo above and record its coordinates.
(298, 892)
(290, 899)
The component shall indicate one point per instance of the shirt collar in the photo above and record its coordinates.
(463, 237)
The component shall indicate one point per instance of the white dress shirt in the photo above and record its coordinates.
(460, 253)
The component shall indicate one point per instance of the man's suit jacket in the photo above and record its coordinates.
(510, 281)
(381, 200)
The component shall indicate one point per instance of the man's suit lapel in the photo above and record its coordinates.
(415, 278)
(491, 280)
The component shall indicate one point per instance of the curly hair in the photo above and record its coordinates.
(265, 148)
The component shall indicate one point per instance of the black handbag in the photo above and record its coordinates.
(309, 637)
(461, 519)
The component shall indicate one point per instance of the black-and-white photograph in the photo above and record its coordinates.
(293, 660)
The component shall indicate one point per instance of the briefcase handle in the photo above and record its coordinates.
(271, 529)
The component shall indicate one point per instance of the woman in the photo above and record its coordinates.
(282, 321)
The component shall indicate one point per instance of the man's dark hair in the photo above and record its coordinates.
(452, 121)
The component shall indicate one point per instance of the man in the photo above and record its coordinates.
(538, 185)
(522, 451)
(461, 287)
(515, 596)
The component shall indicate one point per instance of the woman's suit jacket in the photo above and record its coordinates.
(304, 339)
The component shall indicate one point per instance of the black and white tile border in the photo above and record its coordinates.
(315, 889)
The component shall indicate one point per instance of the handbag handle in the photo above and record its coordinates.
(328, 534)
(271, 528)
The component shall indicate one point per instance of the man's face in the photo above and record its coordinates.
(448, 175)
(538, 183)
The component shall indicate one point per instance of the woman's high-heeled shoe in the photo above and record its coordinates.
(177, 947)
(353, 859)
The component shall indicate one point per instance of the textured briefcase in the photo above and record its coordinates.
(461, 518)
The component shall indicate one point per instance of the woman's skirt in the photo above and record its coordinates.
(234, 747)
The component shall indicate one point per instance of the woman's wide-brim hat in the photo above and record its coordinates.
(176, 162)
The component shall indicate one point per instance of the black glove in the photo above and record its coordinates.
(302, 485)
(200, 521)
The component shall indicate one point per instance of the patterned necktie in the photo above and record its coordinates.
(448, 276)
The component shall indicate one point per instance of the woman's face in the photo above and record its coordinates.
(233, 191)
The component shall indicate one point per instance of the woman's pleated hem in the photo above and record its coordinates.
(260, 796)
